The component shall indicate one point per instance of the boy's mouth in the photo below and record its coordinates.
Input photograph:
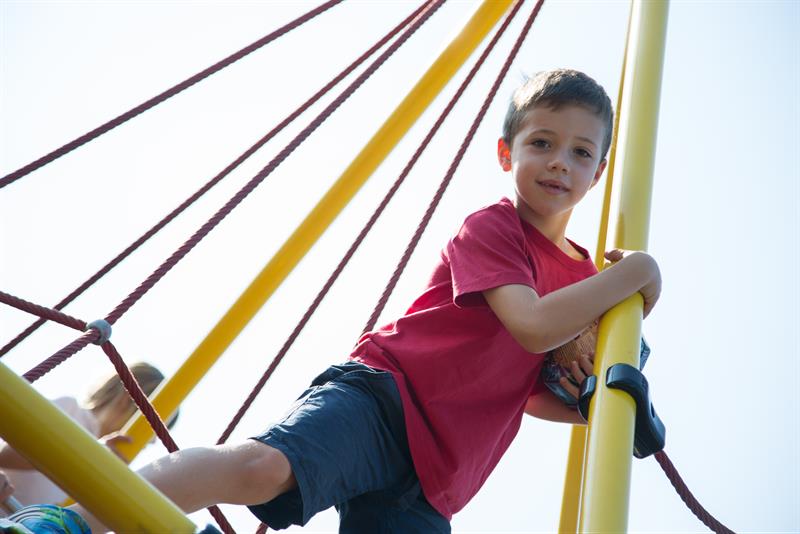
(553, 186)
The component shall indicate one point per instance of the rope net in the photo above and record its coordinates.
(169, 93)
(91, 334)
(412, 23)
(214, 181)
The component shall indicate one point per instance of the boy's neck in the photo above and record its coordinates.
(553, 228)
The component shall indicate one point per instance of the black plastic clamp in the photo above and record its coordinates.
(588, 386)
(650, 434)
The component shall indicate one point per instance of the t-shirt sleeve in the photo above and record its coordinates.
(487, 252)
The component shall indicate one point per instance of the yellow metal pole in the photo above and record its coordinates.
(609, 446)
(74, 460)
(573, 480)
(571, 499)
(637, 139)
(602, 231)
(269, 279)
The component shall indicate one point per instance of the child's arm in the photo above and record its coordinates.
(6, 488)
(540, 324)
(547, 406)
(11, 459)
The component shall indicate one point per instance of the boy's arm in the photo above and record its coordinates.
(547, 406)
(541, 324)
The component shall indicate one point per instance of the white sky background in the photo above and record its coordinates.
(725, 226)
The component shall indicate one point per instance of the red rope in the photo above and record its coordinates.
(365, 230)
(139, 397)
(127, 378)
(214, 181)
(100, 130)
(56, 359)
(109, 349)
(159, 273)
(155, 421)
(687, 497)
(221, 520)
(451, 171)
(43, 312)
(61, 356)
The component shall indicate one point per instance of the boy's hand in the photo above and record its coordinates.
(652, 289)
(579, 369)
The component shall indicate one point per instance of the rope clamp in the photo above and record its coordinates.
(650, 433)
(103, 328)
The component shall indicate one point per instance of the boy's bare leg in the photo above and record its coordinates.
(247, 473)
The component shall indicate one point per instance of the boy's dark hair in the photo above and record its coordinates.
(555, 89)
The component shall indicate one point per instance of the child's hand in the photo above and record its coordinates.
(651, 290)
(6, 488)
(112, 440)
(579, 369)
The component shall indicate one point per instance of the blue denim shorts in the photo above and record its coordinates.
(345, 439)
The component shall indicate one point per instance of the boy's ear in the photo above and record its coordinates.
(599, 172)
(503, 155)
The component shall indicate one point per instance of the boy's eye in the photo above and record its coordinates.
(540, 143)
(582, 152)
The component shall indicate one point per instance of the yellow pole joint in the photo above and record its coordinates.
(169, 396)
(74, 460)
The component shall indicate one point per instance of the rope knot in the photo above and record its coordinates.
(103, 328)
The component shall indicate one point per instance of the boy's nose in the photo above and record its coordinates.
(558, 164)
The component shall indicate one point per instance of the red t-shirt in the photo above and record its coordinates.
(463, 379)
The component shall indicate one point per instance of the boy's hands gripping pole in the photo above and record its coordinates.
(652, 289)
(579, 369)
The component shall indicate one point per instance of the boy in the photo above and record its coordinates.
(402, 436)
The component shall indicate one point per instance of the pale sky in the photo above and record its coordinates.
(725, 222)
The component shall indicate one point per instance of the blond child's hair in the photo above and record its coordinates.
(111, 388)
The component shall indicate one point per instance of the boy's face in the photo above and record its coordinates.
(554, 159)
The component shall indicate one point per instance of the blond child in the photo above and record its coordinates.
(106, 409)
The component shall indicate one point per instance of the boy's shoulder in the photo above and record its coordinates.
(492, 225)
(503, 209)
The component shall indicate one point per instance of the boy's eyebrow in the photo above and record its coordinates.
(551, 132)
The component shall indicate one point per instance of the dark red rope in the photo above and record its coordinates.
(687, 497)
(221, 520)
(366, 229)
(214, 181)
(56, 359)
(159, 273)
(451, 171)
(72, 145)
(262, 528)
(429, 9)
(61, 356)
(140, 398)
(43, 312)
